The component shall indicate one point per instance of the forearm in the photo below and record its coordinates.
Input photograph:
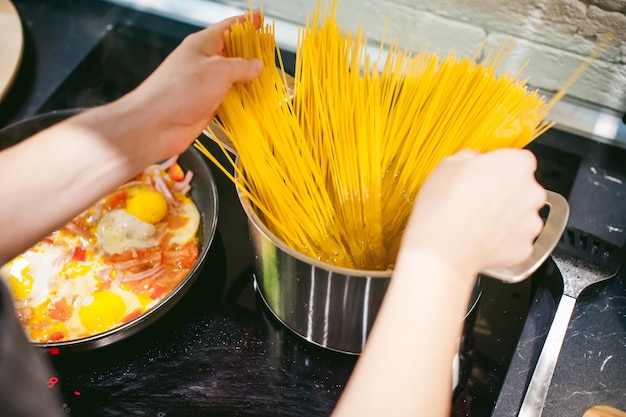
(60, 172)
(405, 368)
(53, 176)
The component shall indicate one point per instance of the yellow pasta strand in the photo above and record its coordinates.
(333, 167)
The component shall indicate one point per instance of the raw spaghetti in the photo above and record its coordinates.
(333, 169)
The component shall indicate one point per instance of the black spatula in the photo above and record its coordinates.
(583, 260)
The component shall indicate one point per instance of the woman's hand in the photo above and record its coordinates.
(185, 91)
(479, 210)
(473, 212)
(62, 170)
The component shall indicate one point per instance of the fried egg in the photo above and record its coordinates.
(40, 279)
(104, 310)
(29, 274)
(119, 230)
(185, 233)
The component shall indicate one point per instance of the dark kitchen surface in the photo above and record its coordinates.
(219, 351)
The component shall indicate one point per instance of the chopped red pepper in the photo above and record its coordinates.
(117, 200)
(176, 172)
(79, 254)
(132, 315)
(60, 310)
(56, 336)
(48, 241)
(156, 290)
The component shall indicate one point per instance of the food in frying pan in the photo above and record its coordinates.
(333, 169)
(110, 264)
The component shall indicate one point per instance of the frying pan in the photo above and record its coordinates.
(203, 193)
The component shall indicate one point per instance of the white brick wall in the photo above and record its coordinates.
(556, 35)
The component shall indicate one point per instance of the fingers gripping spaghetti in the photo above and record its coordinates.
(333, 169)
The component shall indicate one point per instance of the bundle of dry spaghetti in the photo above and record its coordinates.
(333, 169)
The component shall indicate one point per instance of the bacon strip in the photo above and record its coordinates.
(156, 258)
(161, 186)
(78, 231)
(150, 273)
(168, 163)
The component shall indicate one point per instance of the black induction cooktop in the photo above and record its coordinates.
(219, 351)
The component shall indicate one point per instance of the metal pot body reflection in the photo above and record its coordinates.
(329, 306)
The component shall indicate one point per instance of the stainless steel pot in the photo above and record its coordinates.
(335, 307)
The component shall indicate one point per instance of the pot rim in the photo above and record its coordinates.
(258, 223)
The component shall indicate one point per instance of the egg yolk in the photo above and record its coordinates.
(148, 206)
(20, 279)
(22, 286)
(144, 300)
(105, 311)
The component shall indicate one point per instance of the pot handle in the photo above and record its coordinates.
(544, 244)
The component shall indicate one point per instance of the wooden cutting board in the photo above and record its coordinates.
(11, 45)
(604, 411)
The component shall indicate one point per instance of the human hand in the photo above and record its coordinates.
(184, 92)
(474, 211)
(479, 211)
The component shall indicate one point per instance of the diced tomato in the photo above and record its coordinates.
(184, 257)
(192, 255)
(79, 254)
(127, 255)
(176, 172)
(136, 287)
(56, 336)
(60, 310)
(48, 241)
(132, 315)
(156, 291)
(117, 200)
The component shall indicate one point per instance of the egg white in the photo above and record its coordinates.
(40, 266)
(187, 232)
(119, 230)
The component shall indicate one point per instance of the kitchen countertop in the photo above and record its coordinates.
(59, 34)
